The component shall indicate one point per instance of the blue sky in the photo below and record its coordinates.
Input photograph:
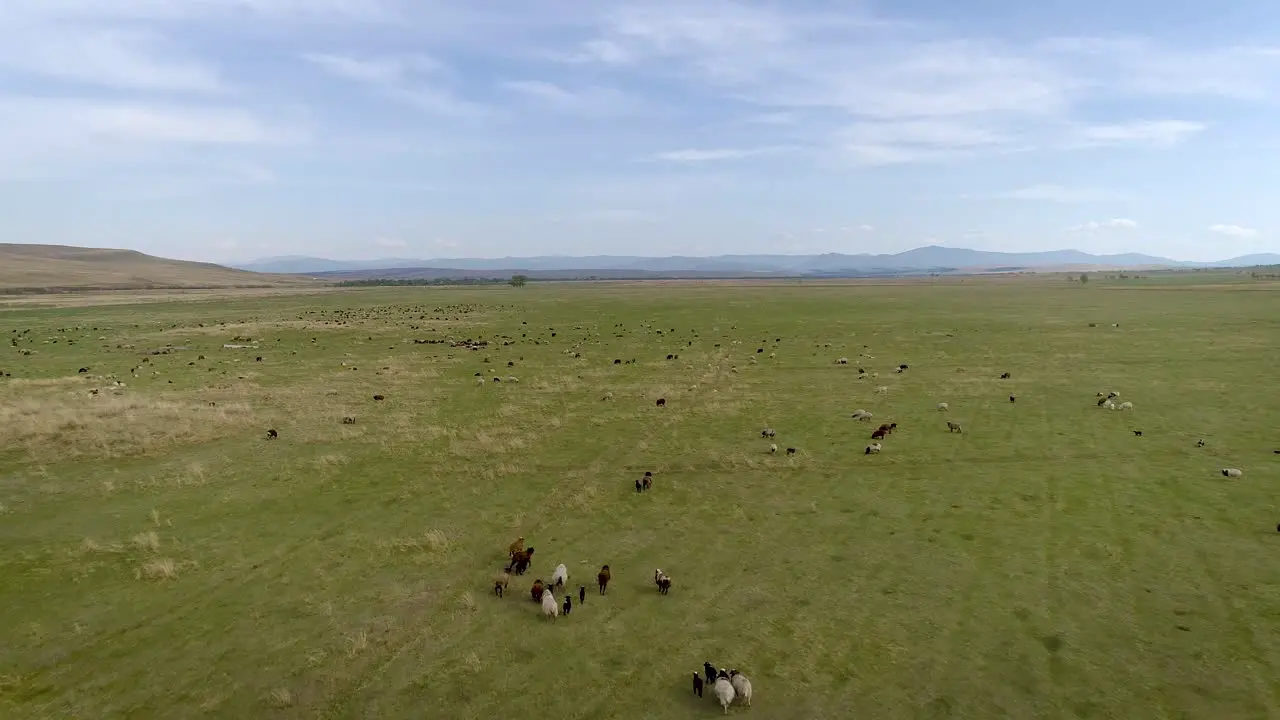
(235, 129)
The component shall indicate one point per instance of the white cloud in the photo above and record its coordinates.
(1053, 193)
(1233, 231)
(400, 79)
(593, 100)
(884, 143)
(1162, 133)
(1112, 224)
(695, 155)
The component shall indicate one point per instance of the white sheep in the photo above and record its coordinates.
(872, 449)
(741, 687)
(861, 414)
(943, 407)
(773, 447)
(1231, 472)
(724, 691)
(842, 361)
(513, 379)
(560, 576)
(550, 608)
(1125, 406)
(882, 389)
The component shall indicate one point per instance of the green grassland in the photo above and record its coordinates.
(161, 558)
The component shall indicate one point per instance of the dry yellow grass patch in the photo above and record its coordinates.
(147, 542)
(280, 698)
(158, 569)
(49, 421)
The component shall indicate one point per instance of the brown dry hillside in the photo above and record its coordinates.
(51, 268)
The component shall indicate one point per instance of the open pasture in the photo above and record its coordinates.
(160, 557)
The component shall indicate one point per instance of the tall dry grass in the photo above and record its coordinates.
(60, 419)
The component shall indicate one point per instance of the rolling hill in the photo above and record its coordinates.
(54, 268)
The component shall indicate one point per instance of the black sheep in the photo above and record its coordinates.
(710, 671)
(272, 434)
(697, 685)
(582, 594)
(639, 486)
(791, 451)
(1137, 433)
(568, 605)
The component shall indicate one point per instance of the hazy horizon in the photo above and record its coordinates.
(235, 130)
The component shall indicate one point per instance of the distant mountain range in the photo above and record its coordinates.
(920, 260)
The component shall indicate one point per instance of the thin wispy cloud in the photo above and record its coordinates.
(1051, 193)
(694, 155)
(1235, 231)
(1112, 224)
(728, 119)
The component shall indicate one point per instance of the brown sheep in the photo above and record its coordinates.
(662, 402)
(516, 546)
(889, 427)
(520, 561)
(536, 590)
(879, 434)
(603, 577)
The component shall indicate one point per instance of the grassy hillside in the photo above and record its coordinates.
(44, 268)
(160, 557)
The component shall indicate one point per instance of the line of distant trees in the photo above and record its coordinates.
(414, 282)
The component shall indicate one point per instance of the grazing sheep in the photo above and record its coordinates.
(1125, 405)
(862, 415)
(662, 580)
(568, 604)
(662, 402)
(497, 379)
(603, 577)
(379, 397)
(724, 691)
(1103, 401)
(889, 427)
(1231, 472)
(348, 420)
(536, 591)
(83, 370)
(550, 608)
(741, 687)
(272, 434)
(842, 361)
(954, 427)
(882, 389)
(872, 449)
(900, 367)
(773, 448)
(943, 407)
(512, 379)
(560, 576)
(582, 594)
(791, 451)
(500, 583)
(1137, 433)
(1200, 443)
(710, 671)
(607, 396)
(1013, 398)
(768, 433)
(697, 685)
(520, 561)
(879, 434)
(1005, 376)
(1113, 395)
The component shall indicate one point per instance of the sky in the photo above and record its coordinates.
(230, 130)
